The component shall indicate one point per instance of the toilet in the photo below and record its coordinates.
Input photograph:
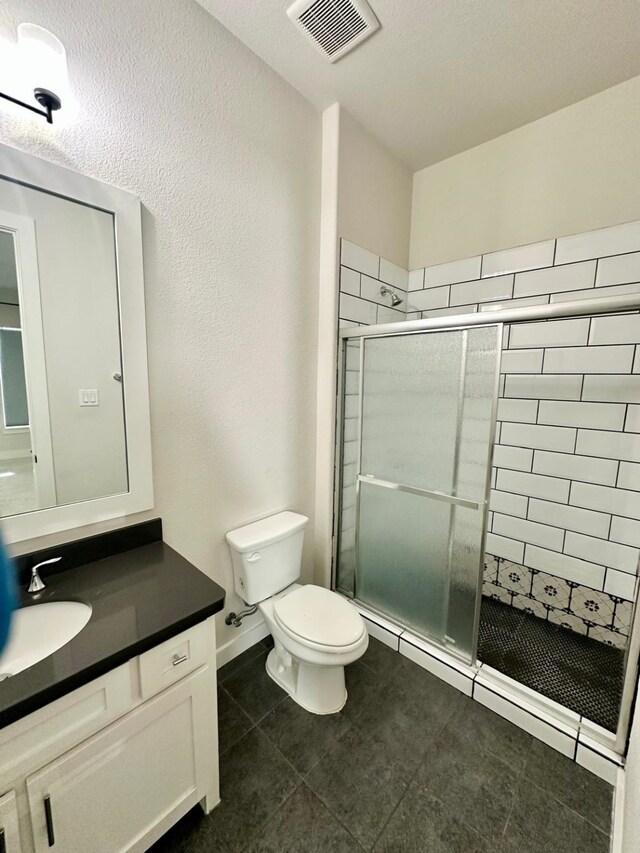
(316, 632)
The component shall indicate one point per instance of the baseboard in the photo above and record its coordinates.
(243, 641)
(617, 823)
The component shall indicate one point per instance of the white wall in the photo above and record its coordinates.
(374, 194)
(575, 170)
(225, 158)
(366, 199)
(327, 325)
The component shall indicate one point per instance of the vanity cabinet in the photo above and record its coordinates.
(121, 788)
(9, 832)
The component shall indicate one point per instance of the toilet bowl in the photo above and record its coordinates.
(316, 632)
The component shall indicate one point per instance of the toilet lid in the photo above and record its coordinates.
(320, 616)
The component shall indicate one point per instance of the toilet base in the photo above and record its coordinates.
(318, 689)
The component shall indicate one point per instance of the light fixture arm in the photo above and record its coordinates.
(48, 100)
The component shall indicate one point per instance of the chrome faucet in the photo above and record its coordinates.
(36, 584)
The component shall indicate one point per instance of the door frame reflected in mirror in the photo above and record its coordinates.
(24, 242)
(125, 208)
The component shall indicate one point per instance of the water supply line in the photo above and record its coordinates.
(235, 619)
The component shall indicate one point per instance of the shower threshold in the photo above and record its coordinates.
(557, 725)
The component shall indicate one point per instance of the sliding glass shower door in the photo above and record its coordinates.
(419, 415)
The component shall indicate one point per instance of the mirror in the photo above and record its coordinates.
(75, 436)
(62, 434)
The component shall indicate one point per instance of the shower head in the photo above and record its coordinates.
(387, 291)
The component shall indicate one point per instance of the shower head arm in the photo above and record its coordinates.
(387, 290)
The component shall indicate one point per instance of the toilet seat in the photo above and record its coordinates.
(319, 619)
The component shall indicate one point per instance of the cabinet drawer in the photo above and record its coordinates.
(172, 660)
(41, 736)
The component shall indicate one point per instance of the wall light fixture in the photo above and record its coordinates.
(42, 69)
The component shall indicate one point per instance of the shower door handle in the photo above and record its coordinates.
(425, 493)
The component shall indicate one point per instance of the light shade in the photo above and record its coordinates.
(43, 60)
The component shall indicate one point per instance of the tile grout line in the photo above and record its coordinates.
(565, 805)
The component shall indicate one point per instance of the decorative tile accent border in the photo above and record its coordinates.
(598, 615)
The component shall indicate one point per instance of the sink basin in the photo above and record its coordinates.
(39, 631)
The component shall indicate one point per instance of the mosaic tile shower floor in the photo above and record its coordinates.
(580, 673)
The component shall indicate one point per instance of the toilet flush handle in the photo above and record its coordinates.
(254, 557)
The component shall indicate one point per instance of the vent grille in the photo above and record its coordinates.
(334, 26)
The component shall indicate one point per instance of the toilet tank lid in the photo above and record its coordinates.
(266, 531)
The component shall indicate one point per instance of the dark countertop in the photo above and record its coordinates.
(139, 598)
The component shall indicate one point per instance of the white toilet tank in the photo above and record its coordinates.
(266, 555)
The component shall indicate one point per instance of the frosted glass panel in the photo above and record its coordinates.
(464, 578)
(348, 459)
(410, 408)
(426, 409)
(402, 557)
(476, 410)
(427, 419)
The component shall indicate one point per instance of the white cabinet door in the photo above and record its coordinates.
(123, 788)
(9, 832)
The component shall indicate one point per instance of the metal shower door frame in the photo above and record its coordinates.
(390, 331)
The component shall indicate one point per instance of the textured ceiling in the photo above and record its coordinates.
(444, 75)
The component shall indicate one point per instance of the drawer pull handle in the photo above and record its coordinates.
(179, 659)
(3, 843)
(49, 818)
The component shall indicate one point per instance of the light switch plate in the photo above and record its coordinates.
(89, 397)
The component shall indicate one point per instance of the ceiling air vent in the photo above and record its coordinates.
(334, 26)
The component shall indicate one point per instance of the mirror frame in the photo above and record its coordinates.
(126, 210)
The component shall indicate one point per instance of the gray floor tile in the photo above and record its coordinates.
(471, 782)
(424, 687)
(360, 784)
(254, 690)
(188, 835)
(239, 662)
(540, 824)
(380, 658)
(482, 785)
(232, 721)
(421, 824)
(570, 783)
(490, 731)
(255, 779)
(302, 737)
(304, 825)
(406, 715)
(362, 685)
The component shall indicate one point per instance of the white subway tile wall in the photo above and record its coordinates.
(362, 275)
(534, 256)
(565, 504)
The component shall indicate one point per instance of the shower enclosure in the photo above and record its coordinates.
(419, 420)
(416, 433)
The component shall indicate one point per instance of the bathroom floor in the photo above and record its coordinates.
(410, 765)
(17, 486)
(580, 673)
